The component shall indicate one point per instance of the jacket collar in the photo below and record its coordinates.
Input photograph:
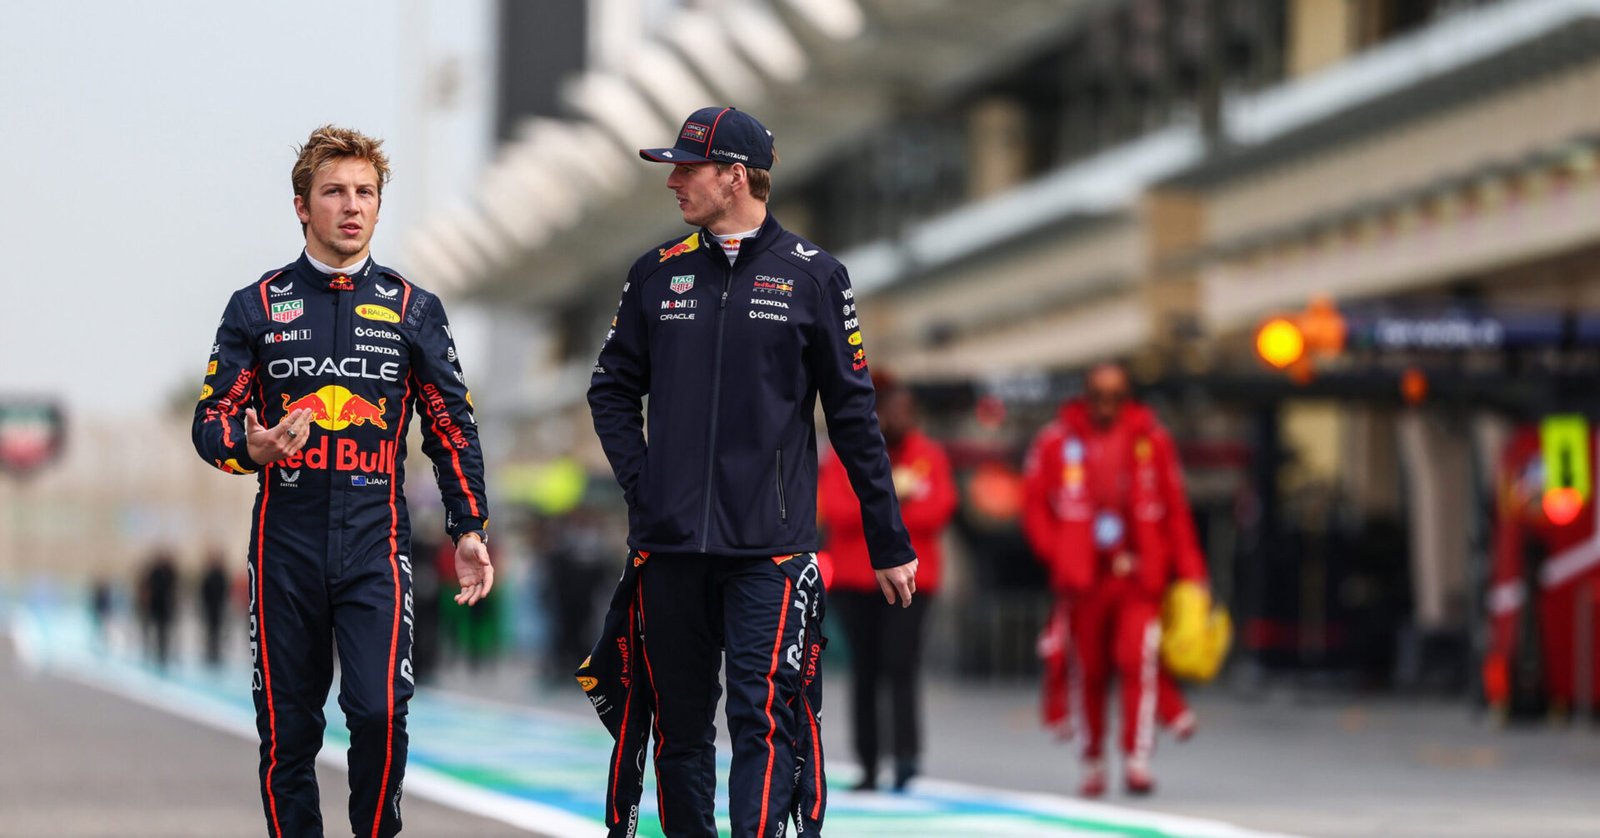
(749, 248)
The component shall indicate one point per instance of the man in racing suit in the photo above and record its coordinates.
(1105, 512)
(311, 387)
(733, 333)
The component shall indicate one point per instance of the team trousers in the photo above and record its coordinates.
(699, 613)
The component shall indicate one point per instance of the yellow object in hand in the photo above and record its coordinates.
(1195, 633)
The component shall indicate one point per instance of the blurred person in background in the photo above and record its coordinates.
(427, 597)
(213, 593)
(100, 604)
(313, 378)
(886, 642)
(574, 556)
(1105, 512)
(158, 605)
(734, 332)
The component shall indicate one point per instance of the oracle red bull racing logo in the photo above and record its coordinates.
(334, 408)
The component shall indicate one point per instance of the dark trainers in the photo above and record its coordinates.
(903, 772)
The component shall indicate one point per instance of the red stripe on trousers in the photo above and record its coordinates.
(266, 670)
(394, 632)
(772, 755)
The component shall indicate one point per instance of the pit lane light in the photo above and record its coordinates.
(1564, 442)
(1292, 341)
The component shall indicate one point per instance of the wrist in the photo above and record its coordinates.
(480, 535)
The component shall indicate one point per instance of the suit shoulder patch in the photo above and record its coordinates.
(689, 244)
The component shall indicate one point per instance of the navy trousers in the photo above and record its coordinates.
(757, 614)
(301, 608)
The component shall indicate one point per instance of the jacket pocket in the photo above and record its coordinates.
(783, 507)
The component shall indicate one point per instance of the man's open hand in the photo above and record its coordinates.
(269, 445)
(473, 570)
(898, 582)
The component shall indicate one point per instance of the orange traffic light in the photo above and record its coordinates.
(1562, 505)
(1285, 342)
(1280, 342)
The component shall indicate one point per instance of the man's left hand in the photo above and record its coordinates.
(473, 570)
(898, 582)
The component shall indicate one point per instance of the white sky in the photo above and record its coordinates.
(145, 150)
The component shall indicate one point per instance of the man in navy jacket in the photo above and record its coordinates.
(733, 333)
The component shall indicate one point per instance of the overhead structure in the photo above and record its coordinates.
(562, 193)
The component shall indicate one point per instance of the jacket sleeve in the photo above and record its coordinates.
(849, 404)
(931, 512)
(1038, 519)
(1188, 562)
(229, 388)
(450, 431)
(617, 388)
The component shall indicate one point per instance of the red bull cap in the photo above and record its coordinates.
(718, 135)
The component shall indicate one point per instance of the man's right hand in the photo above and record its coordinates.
(898, 582)
(269, 445)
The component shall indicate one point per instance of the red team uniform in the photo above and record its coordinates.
(886, 640)
(1105, 512)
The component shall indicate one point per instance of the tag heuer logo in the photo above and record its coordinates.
(288, 310)
(681, 284)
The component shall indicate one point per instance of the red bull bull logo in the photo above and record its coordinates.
(333, 408)
(688, 245)
(358, 411)
(312, 402)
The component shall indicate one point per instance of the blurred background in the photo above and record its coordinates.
(1348, 249)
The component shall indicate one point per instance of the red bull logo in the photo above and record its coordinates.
(688, 245)
(344, 454)
(333, 408)
(359, 411)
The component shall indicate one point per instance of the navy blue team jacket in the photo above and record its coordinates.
(733, 360)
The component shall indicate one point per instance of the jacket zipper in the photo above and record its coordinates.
(339, 499)
(783, 508)
(716, 394)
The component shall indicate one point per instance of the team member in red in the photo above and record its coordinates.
(1106, 513)
(885, 640)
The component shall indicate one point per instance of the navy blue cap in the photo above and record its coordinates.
(718, 135)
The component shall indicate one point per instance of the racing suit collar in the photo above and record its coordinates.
(751, 247)
(313, 270)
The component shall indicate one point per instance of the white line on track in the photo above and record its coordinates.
(420, 781)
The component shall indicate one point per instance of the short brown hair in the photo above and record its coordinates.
(329, 143)
(760, 179)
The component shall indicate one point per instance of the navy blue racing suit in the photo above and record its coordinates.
(722, 504)
(329, 542)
